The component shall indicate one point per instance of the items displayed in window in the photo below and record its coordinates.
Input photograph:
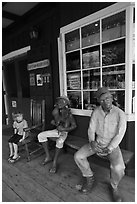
(95, 55)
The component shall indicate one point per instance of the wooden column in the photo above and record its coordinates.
(19, 89)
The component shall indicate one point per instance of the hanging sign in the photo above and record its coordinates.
(39, 80)
(38, 65)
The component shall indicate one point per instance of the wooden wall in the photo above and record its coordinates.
(49, 18)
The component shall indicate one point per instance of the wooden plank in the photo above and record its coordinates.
(8, 195)
(62, 184)
(68, 176)
(52, 182)
(25, 187)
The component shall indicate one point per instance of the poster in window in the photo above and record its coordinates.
(32, 79)
(39, 80)
(74, 81)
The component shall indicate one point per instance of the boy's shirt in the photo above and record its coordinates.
(20, 126)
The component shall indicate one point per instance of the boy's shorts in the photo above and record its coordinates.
(15, 138)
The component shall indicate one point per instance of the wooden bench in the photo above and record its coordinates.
(76, 143)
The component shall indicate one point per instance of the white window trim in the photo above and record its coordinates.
(128, 75)
(15, 53)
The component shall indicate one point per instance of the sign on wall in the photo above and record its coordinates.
(38, 65)
(39, 80)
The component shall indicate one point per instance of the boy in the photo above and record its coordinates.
(19, 135)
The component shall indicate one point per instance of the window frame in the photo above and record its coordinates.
(111, 10)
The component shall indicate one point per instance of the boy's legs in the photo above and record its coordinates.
(15, 146)
(11, 149)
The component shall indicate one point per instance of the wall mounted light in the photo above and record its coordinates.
(33, 33)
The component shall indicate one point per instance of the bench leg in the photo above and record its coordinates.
(65, 148)
(27, 152)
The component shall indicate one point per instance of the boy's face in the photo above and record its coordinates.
(19, 117)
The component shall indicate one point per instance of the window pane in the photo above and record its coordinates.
(113, 27)
(114, 53)
(119, 99)
(134, 15)
(73, 81)
(133, 76)
(133, 44)
(91, 34)
(89, 100)
(90, 58)
(133, 101)
(91, 79)
(72, 40)
(114, 77)
(73, 61)
(75, 99)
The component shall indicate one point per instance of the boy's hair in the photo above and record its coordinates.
(16, 114)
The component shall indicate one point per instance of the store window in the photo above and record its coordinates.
(94, 55)
(133, 65)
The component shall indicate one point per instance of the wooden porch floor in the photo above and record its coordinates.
(31, 182)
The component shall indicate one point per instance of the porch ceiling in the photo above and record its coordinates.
(14, 12)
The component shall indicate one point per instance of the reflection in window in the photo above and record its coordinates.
(133, 87)
(91, 34)
(73, 61)
(72, 40)
(114, 53)
(134, 15)
(133, 76)
(90, 57)
(113, 27)
(89, 100)
(114, 77)
(75, 99)
(91, 79)
(133, 101)
(119, 99)
(73, 81)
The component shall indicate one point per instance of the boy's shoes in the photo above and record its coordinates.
(14, 160)
(87, 187)
(10, 157)
(53, 169)
(116, 195)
